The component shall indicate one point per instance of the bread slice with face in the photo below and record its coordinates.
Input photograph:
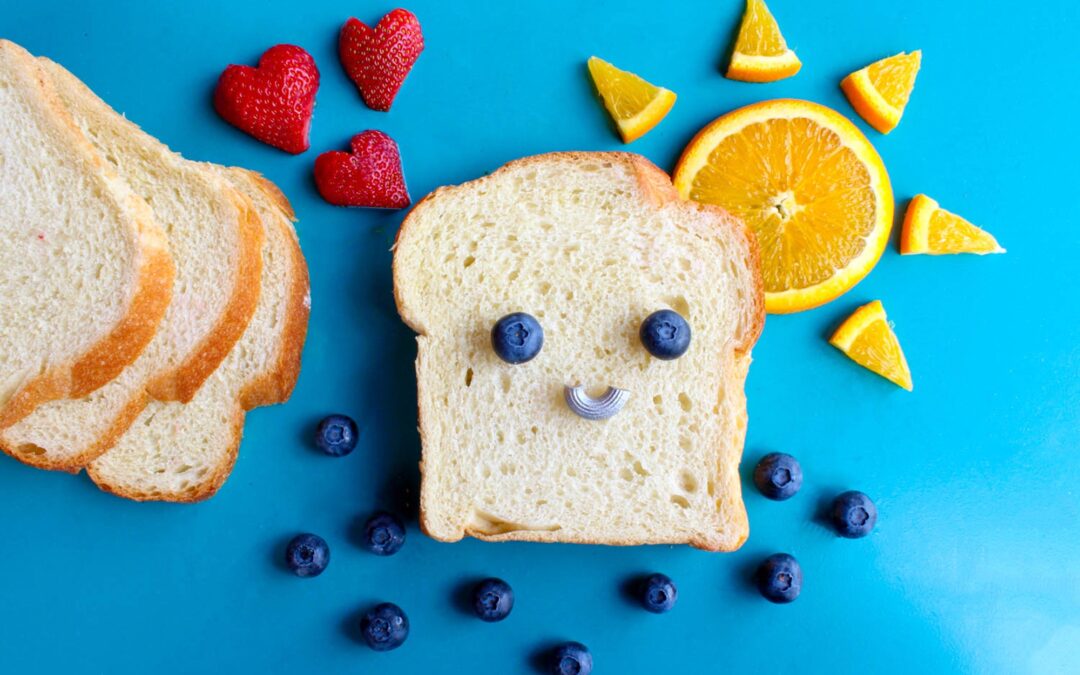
(589, 245)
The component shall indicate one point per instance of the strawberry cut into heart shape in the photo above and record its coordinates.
(368, 176)
(274, 101)
(378, 60)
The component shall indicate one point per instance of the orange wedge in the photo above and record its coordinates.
(930, 229)
(761, 54)
(869, 341)
(636, 105)
(809, 185)
(880, 91)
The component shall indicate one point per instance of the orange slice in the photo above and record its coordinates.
(930, 229)
(869, 341)
(636, 105)
(761, 54)
(809, 185)
(880, 91)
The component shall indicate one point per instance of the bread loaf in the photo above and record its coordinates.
(590, 244)
(215, 238)
(85, 271)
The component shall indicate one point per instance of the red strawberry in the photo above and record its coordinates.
(370, 176)
(272, 102)
(378, 60)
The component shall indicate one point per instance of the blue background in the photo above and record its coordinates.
(974, 564)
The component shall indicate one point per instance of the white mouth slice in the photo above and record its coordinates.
(601, 408)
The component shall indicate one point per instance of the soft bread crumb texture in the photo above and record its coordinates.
(590, 244)
(214, 236)
(185, 452)
(84, 272)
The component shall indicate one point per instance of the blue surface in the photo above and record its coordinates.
(973, 566)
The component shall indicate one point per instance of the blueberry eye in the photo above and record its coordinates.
(665, 334)
(517, 338)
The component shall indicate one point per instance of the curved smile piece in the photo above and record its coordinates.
(601, 408)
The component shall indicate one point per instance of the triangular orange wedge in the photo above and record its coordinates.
(761, 54)
(868, 339)
(636, 105)
(880, 91)
(930, 229)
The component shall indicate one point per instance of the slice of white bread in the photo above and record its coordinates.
(590, 244)
(184, 452)
(85, 271)
(215, 238)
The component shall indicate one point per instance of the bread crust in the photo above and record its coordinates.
(277, 385)
(152, 285)
(657, 188)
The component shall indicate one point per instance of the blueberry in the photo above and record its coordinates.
(307, 555)
(778, 476)
(665, 334)
(336, 435)
(384, 534)
(779, 578)
(658, 593)
(493, 599)
(384, 627)
(853, 514)
(517, 338)
(571, 658)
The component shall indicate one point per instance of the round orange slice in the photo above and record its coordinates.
(809, 185)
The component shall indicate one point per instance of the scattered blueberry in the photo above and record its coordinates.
(336, 435)
(493, 599)
(658, 593)
(384, 627)
(665, 334)
(517, 338)
(571, 658)
(779, 578)
(778, 476)
(853, 514)
(307, 555)
(384, 534)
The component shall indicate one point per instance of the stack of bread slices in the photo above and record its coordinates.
(146, 301)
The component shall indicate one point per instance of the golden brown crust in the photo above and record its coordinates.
(270, 189)
(656, 186)
(152, 295)
(153, 285)
(181, 383)
(277, 385)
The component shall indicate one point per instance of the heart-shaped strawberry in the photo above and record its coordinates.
(378, 60)
(274, 101)
(368, 176)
